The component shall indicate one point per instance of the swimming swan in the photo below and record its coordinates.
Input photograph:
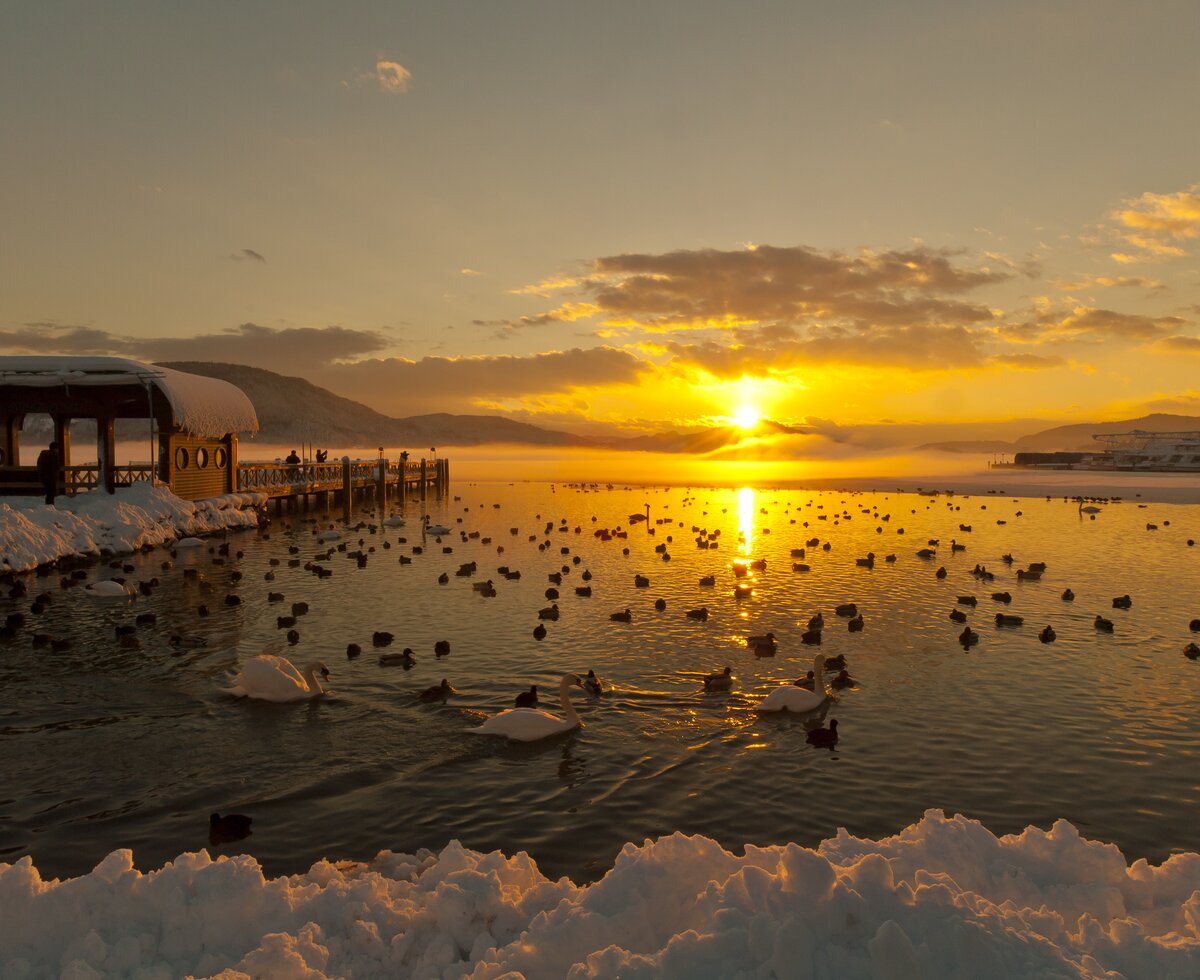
(792, 698)
(270, 678)
(531, 724)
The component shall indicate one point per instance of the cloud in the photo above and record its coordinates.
(287, 350)
(795, 285)
(1109, 282)
(468, 271)
(452, 384)
(546, 287)
(391, 76)
(1179, 344)
(1089, 324)
(248, 253)
(1177, 214)
(1028, 362)
(1153, 222)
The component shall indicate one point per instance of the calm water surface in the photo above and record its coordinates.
(108, 747)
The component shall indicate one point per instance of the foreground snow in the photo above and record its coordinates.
(943, 898)
(33, 534)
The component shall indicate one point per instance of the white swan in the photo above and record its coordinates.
(798, 699)
(437, 530)
(270, 678)
(531, 724)
(189, 543)
(108, 589)
(395, 521)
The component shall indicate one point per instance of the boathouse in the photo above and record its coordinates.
(194, 422)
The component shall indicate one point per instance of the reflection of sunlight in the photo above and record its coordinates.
(745, 520)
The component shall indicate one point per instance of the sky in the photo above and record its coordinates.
(623, 217)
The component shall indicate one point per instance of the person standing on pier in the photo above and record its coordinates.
(48, 462)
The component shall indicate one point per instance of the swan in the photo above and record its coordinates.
(437, 530)
(792, 698)
(271, 678)
(107, 589)
(531, 724)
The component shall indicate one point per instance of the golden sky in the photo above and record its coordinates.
(628, 217)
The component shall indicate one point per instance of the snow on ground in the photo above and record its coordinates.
(32, 534)
(943, 898)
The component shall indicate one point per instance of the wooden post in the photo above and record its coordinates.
(62, 435)
(346, 491)
(12, 440)
(231, 448)
(445, 476)
(403, 477)
(381, 481)
(424, 474)
(106, 451)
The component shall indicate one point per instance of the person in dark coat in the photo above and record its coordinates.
(48, 463)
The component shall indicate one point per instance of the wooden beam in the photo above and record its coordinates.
(106, 451)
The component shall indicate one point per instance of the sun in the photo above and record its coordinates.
(746, 417)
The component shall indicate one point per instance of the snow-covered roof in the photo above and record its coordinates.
(205, 407)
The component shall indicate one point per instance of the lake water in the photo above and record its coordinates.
(107, 746)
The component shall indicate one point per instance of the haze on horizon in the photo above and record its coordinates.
(620, 218)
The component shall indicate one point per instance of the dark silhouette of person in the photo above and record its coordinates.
(292, 458)
(48, 463)
(322, 455)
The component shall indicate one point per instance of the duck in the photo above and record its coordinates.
(533, 724)
(1048, 635)
(1122, 602)
(406, 658)
(817, 622)
(842, 680)
(856, 625)
(527, 699)
(700, 614)
(550, 613)
(823, 737)
(806, 681)
(1068, 596)
(968, 637)
(381, 638)
(722, 681)
(622, 617)
(1103, 625)
(660, 604)
(593, 683)
(1191, 651)
(967, 600)
(539, 632)
(441, 648)
(439, 692)
(847, 609)
(270, 678)
(811, 638)
(1003, 619)
(228, 828)
(797, 699)
(958, 616)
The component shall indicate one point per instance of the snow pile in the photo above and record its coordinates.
(32, 534)
(943, 898)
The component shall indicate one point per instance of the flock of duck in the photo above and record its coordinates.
(274, 678)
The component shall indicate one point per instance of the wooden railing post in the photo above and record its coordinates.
(346, 491)
(381, 480)
(424, 477)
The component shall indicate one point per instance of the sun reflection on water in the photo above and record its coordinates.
(745, 498)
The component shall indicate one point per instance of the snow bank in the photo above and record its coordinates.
(32, 534)
(943, 898)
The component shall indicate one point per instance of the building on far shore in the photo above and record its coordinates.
(194, 420)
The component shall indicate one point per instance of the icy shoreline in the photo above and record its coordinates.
(93, 524)
(944, 897)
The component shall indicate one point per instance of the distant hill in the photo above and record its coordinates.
(292, 410)
(1076, 437)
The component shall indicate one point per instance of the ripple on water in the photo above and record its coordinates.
(114, 744)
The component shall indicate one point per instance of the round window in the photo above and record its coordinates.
(182, 458)
(220, 458)
(201, 458)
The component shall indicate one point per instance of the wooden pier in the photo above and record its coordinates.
(291, 486)
(300, 486)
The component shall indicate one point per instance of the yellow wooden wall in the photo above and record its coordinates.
(194, 481)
